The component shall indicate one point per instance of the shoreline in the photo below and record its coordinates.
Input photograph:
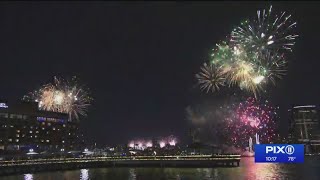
(42, 165)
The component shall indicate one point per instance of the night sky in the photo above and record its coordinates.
(139, 59)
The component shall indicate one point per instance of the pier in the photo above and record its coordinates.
(39, 165)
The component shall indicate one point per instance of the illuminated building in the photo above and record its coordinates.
(305, 127)
(23, 126)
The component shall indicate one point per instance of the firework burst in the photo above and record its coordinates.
(268, 31)
(249, 118)
(272, 66)
(210, 78)
(222, 54)
(62, 96)
(232, 120)
(253, 56)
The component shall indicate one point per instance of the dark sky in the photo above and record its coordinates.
(139, 59)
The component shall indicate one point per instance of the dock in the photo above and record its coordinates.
(39, 165)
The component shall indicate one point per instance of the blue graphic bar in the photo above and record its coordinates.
(279, 153)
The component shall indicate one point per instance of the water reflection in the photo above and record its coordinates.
(215, 173)
(265, 171)
(172, 173)
(248, 170)
(132, 174)
(84, 174)
(207, 173)
(28, 177)
(261, 170)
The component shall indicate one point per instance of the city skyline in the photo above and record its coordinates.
(139, 60)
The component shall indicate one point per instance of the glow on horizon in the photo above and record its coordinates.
(131, 145)
(162, 144)
(149, 144)
(172, 142)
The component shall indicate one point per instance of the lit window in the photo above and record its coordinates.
(43, 123)
(49, 124)
(18, 131)
(35, 136)
(43, 128)
(37, 131)
(17, 135)
(31, 127)
(30, 136)
(15, 116)
(41, 118)
(42, 140)
(54, 129)
(10, 140)
(3, 115)
(11, 126)
(62, 141)
(23, 135)
(30, 131)
(69, 134)
(17, 140)
(64, 125)
(48, 140)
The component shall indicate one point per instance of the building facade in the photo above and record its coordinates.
(23, 127)
(305, 127)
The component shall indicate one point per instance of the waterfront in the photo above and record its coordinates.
(247, 170)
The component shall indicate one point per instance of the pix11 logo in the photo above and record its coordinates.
(279, 153)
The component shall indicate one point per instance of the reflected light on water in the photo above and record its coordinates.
(262, 171)
(28, 176)
(215, 171)
(248, 170)
(132, 174)
(84, 174)
(208, 173)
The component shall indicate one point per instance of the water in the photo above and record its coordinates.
(309, 170)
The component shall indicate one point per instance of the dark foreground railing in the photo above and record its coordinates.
(38, 165)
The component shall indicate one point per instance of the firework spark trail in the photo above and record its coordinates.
(210, 78)
(273, 66)
(267, 31)
(253, 56)
(251, 117)
(63, 96)
(231, 122)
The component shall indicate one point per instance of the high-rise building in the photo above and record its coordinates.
(23, 126)
(305, 127)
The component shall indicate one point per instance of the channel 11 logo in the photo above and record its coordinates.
(279, 153)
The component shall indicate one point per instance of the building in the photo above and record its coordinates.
(23, 127)
(305, 127)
